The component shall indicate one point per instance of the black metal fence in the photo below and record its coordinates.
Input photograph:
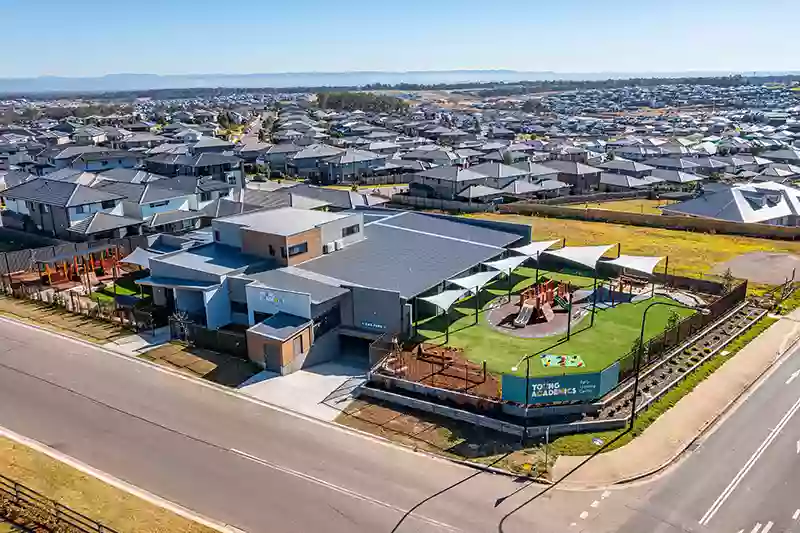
(23, 504)
(224, 341)
(658, 346)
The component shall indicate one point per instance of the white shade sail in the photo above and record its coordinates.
(508, 264)
(140, 257)
(639, 263)
(475, 281)
(535, 248)
(445, 299)
(586, 256)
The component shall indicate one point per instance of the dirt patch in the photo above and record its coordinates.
(762, 267)
(206, 364)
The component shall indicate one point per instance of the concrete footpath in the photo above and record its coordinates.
(669, 436)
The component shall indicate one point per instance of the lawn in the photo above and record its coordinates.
(88, 495)
(612, 336)
(689, 253)
(641, 205)
(126, 286)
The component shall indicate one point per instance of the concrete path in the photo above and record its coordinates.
(321, 391)
(671, 433)
(140, 342)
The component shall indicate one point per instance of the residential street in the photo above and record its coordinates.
(265, 470)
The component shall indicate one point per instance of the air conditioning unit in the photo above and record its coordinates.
(339, 244)
(328, 248)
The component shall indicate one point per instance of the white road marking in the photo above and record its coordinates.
(339, 489)
(793, 377)
(756, 528)
(767, 527)
(796, 514)
(748, 465)
(584, 515)
(594, 504)
(605, 495)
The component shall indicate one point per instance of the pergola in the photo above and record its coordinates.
(444, 301)
(474, 283)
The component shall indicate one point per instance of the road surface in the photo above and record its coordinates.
(261, 469)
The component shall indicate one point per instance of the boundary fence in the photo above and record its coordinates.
(229, 342)
(21, 503)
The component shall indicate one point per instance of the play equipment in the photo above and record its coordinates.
(536, 302)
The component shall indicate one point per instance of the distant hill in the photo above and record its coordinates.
(137, 82)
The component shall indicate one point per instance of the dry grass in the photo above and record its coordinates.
(689, 253)
(112, 507)
(644, 206)
(206, 364)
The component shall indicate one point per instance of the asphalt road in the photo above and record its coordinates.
(244, 464)
(261, 469)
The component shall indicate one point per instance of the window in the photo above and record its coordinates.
(271, 250)
(298, 249)
(297, 345)
(30, 205)
(205, 197)
(158, 204)
(232, 180)
(350, 230)
(108, 204)
(45, 208)
(79, 209)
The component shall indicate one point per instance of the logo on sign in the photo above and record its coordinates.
(372, 325)
(271, 297)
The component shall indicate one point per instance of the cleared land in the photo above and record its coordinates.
(648, 207)
(689, 253)
(85, 494)
(612, 336)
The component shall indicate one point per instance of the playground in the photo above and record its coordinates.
(521, 317)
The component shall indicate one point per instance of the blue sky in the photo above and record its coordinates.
(92, 37)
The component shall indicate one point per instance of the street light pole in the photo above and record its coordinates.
(639, 352)
(514, 368)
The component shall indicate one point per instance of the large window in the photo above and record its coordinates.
(205, 196)
(350, 230)
(79, 209)
(108, 204)
(159, 204)
(298, 249)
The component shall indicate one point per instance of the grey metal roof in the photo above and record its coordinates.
(525, 187)
(214, 258)
(353, 155)
(448, 228)
(625, 164)
(535, 169)
(479, 191)
(282, 279)
(169, 217)
(281, 326)
(101, 221)
(130, 175)
(396, 259)
(317, 151)
(212, 142)
(629, 182)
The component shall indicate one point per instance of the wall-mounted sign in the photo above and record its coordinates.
(372, 325)
(268, 296)
(565, 388)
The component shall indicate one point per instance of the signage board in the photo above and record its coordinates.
(564, 388)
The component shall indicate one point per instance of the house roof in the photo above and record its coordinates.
(214, 258)
(99, 222)
(454, 174)
(281, 326)
(205, 159)
(321, 151)
(494, 169)
(353, 155)
(58, 193)
(625, 164)
(628, 182)
(130, 175)
(758, 202)
(284, 220)
(140, 193)
(535, 169)
(572, 168)
(522, 186)
(479, 191)
(212, 142)
(675, 176)
(169, 217)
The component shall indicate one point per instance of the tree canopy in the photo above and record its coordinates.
(364, 101)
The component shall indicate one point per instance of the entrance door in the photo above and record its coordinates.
(272, 356)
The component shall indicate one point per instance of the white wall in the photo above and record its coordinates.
(271, 301)
(332, 231)
(17, 206)
(229, 233)
(88, 210)
(180, 203)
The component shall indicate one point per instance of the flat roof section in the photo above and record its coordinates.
(450, 229)
(280, 279)
(210, 258)
(284, 221)
(281, 326)
(409, 262)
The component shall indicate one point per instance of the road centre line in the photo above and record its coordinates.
(749, 464)
(339, 489)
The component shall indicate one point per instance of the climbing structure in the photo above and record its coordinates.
(536, 302)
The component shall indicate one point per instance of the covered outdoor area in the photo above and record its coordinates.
(587, 306)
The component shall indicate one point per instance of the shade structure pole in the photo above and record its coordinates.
(569, 312)
(536, 280)
(414, 315)
(594, 297)
(447, 330)
(477, 294)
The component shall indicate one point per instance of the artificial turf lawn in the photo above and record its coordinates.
(612, 336)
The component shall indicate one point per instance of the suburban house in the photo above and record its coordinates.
(444, 182)
(613, 182)
(349, 165)
(104, 160)
(89, 135)
(308, 162)
(53, 206)
(582, 178)
(225, 168)
(276, 157)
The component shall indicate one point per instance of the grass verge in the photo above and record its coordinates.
(102, 502)
(643, 206)
(582, 444)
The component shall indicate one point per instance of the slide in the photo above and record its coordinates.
(561, 302)
(524, 316)
(547, 312)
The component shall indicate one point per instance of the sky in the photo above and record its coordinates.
(93, 38)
